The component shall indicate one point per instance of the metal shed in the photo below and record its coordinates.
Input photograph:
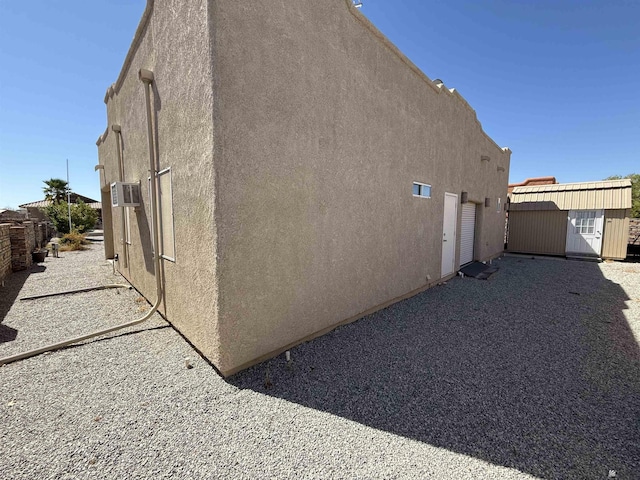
(589, 219)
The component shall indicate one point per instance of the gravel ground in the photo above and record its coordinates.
(532, 373)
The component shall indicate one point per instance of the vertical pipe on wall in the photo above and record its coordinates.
(146, 77)
(123, 225)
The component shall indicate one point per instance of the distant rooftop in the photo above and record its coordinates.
(533, 181)
(74, 197)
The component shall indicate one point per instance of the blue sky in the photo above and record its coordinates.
(556, 81)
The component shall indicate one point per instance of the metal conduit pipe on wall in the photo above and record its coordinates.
(123, 240)
(146, 77)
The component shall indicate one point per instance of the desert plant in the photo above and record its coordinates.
(73, 241)
(83, 217)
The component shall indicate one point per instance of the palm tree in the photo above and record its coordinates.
(56, 190)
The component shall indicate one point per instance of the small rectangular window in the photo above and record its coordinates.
(585, 222)
(421, 190)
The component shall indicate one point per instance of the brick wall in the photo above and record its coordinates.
(5, 252)
(31, 235)
(17, 242)
(21, 238)
(634, 231)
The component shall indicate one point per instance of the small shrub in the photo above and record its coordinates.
(73, 241)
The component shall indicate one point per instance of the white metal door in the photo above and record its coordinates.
(449, 234)
(584, 232)
(467, 232)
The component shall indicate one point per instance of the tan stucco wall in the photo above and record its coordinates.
(294, 134)
(321, 129)
(174, 44)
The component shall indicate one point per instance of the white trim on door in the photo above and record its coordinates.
(584, 232)
(449, 223)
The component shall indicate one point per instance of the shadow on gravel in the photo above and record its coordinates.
(535, 369)
(12, 286)
(7, 334)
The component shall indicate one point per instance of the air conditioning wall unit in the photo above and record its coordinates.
(125, 194)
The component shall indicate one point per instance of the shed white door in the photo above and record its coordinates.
(467, 232)
(449, 234)
(584, 232)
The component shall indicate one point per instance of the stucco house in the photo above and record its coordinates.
(587, 219)
(305, 173)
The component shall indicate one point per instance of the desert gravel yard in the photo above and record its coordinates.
(534, 373)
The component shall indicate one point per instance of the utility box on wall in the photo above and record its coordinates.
(125, 194)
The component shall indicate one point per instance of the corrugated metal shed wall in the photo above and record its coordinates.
(543, 232)
(616, 233)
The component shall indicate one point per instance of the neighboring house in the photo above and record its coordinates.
(589, 219)
(8, 216)
(35, 211)
(533, 181)
(309, 173)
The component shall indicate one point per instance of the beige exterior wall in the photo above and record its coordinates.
(173, 42)
(323, 127)
(616, 234)
(294, 134)
(542, 232)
